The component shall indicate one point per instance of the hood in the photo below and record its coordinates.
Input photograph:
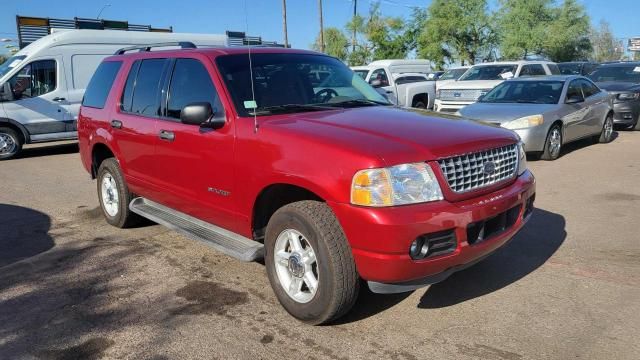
(503, 113)
(617, 86)
(396, 135)
(471, 84)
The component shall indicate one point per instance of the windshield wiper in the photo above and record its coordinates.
(289, 108)
(357, 102)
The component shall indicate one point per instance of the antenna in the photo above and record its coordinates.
(253, 93)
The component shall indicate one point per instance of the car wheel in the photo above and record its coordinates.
(309, 262)
(606, 135)
(114, 195)
(553, 145)
(10, 143)
(420, 104)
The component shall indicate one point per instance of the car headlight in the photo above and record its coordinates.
(628, 96)
(522, 159)
(525, 122)
(397, 185)
(438, 94)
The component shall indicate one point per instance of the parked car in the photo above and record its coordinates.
(381, 75)
(622, 81)
(481, 78)
(451, 75)
(577, 67)
(329, 188)
(547, 112)
(42, 85)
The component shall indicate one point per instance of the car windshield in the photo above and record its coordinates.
(452, 74)
(626, 73)
(570, 69)
(11, 63)
(528, 92)
(489, 72)
(288, 82)
(361, 73)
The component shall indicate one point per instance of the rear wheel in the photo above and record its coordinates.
(606, 135)
(309, 262)
(10, 143)
(553, 144)
(114, 195)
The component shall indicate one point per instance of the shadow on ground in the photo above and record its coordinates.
(54, 149)
(575, 146)
(541, 237)
(24, 233)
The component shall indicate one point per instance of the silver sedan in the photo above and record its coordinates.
(547, 112)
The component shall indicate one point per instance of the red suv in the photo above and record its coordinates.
(253, 153)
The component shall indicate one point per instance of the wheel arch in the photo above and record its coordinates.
(19, 128)
(420, 96)
(99, 153)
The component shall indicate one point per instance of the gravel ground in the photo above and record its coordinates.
(567, 287)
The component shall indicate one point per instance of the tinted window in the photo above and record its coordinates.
(588, 88)
(574, 90)
(100, 84)
(627, 73)
(489, 72)
(554, 69)
(535, 92)
(146, 95)
(409, 79)
(34, 79)
(127, 94)
(452, 74)
(191, 83)
(532, 70)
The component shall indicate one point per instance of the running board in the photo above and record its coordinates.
(220, 239)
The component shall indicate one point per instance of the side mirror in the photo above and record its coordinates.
(574, 99)
(375, 83)
(201, 114)
(5, 92)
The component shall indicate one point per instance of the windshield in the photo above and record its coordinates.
(626, 73)
(11, 63)
(570, 69)
(488, 72)
(530, 92)
(288, 82)
(361, 73)
(452, 74)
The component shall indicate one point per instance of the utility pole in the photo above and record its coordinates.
(284, 23)
(353, 36)
(321, 27)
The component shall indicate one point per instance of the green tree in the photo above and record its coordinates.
(456, 30)
(605, 46)
(523, 27)
(362, 53)
(335, 43)
(568, 33)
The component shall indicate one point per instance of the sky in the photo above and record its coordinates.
(261, 17)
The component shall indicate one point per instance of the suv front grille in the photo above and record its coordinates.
(461, 95)
(474, 171)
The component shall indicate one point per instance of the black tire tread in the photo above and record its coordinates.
(126, 218)
(16, 136)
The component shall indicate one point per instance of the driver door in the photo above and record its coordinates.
(38, 95)
(576, 117)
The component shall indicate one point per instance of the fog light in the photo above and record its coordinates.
(419, 249)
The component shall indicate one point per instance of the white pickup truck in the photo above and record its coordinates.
(481, 78)
(403, 82)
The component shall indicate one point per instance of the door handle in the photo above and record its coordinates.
(116, 124)
(167, 135)
(58, 99)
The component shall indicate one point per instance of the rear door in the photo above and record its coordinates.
(194, 165)
(574, 121)
(39, 93)
(598, 105)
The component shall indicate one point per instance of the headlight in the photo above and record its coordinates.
(438, 94)
(525, 122)
(522, 159)
(397, 185)
(628, 96)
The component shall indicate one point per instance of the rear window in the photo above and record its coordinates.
(100, 84)
(146, 94)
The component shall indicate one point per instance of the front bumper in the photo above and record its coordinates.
(380, 237)
(626, 112)
(533, 138)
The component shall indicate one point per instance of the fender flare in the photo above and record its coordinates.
(23, 130)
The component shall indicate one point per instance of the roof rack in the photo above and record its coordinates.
(182, 44)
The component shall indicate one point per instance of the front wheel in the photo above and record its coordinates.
(606, 135)
(114, 195)
(309, 262)
(10, 143)
(553, 144)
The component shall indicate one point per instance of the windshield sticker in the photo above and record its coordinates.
(506, 75)
(250, 104)
(15, 63)
(636, 69)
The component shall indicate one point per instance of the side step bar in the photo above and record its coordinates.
(220, 239)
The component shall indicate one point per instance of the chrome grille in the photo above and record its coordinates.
(469, 172)
(461, 95)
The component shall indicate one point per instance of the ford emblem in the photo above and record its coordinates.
(457, 94)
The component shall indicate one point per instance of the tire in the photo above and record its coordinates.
(553, 144)
(420, 105)
(112, 187)
(337, 281)
(10, 143)
(606, 135)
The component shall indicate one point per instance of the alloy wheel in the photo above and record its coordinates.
(296, 265)
(555, 142)
(7, 144)
(109, 193)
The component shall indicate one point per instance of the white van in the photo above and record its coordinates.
(41, 86)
